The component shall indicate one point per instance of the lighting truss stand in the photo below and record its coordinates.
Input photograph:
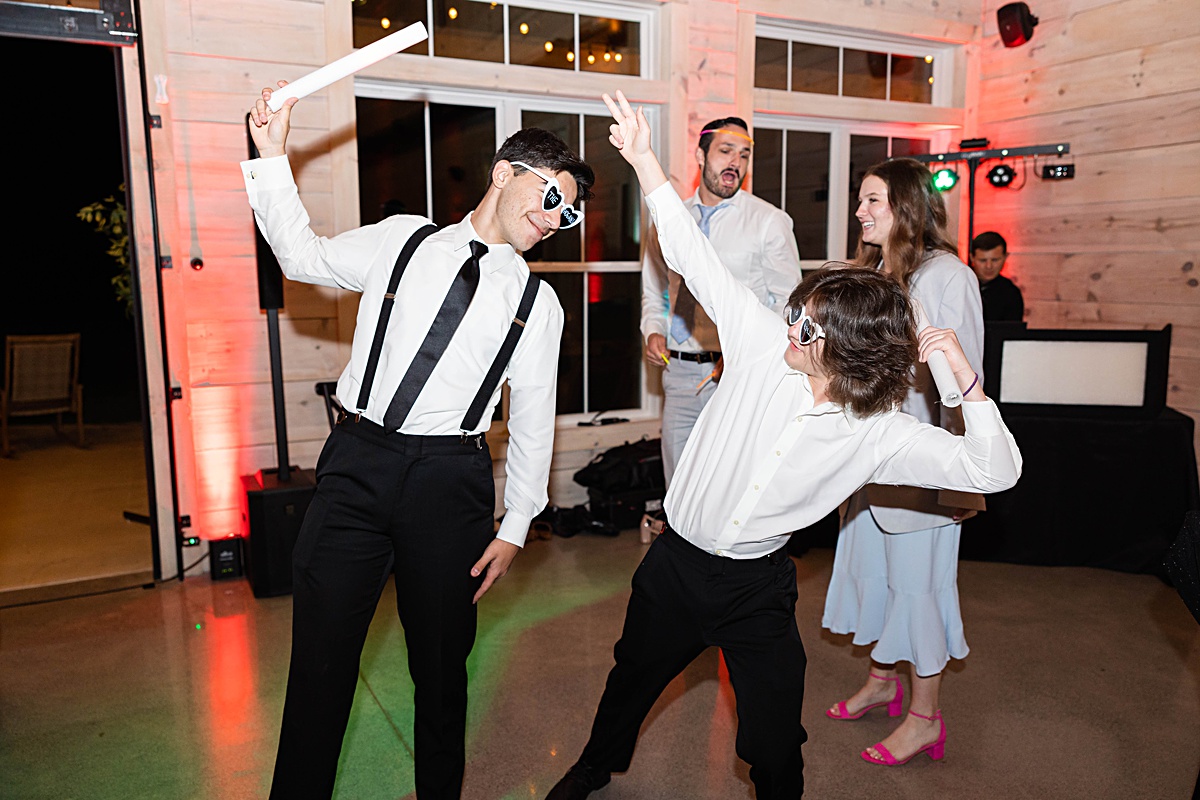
(975, 157)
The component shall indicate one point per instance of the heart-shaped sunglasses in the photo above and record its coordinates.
(552, 198)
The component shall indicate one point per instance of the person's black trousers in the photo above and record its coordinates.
(421, 507)
(685, 600)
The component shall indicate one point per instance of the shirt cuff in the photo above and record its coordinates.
(262, 174)
(514, 527)
(982, 418)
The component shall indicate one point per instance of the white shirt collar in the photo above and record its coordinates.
(733, 202)
(498, 256)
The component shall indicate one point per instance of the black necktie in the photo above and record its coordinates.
(448, 318)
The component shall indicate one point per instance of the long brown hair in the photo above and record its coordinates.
(919, 220)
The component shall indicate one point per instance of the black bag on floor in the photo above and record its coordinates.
(625, 482)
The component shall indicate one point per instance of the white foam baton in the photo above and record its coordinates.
(362, 58)
(943, 376)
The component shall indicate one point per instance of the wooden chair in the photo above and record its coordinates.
(41, 376)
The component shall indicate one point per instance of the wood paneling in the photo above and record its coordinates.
(940, 20)
(1116, 247)
(1166, 68)
(1088, 33)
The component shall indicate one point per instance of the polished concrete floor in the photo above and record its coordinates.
(62, 525)
(1081, 683)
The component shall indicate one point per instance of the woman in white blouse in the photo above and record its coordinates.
(895, 575)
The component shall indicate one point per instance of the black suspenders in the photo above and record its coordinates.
(492, 379)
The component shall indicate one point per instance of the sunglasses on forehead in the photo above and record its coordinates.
(810, 330)
(552, 198)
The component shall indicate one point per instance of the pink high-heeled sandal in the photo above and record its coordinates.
(935, 749)
(894, 706)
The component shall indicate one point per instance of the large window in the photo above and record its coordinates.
(812, 167)
(560, 35)
(812, 170)
(428, 152)
(800, 60)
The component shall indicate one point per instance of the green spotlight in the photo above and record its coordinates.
(945, 179)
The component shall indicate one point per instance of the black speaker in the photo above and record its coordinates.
(270, 276)
(1016, 23)
(274, 512)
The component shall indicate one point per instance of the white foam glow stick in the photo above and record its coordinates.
(943, 376)
(348, 65)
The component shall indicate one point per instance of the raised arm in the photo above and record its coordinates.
(734, 308)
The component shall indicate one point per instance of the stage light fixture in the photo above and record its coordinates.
(1001, 176)
(945, 179)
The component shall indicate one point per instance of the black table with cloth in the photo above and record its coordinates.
(1095, 492)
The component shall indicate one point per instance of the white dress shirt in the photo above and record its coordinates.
(753, 239)
(763, 460)
(361, 260)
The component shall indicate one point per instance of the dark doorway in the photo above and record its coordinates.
(63, 151)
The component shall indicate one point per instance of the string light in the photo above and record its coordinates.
(591, 59)
(607, 56)
(385, 23)
(928, 59)
(617, 56)
(549, 47)
(524, 27)
(570, 56)
(452, 13)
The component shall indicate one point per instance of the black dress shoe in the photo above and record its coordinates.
(580, 781)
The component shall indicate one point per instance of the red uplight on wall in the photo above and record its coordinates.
(595, 287)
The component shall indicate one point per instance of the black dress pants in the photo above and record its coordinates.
(684, 601)
(421, 507)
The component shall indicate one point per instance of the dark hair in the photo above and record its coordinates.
(988, 240)
(540, 148)
(919, 226)
(870, 343)
(706, 138)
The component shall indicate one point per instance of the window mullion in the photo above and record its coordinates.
(839, 194)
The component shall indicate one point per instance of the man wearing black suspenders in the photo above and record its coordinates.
(404, 483)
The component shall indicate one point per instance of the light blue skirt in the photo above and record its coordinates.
(899, 590)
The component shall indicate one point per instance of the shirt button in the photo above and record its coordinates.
(778, 453)
(735, 522)
(756, 487)
(718, 552)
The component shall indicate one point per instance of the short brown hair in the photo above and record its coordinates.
(870, 344)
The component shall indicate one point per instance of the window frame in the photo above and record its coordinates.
(509, 107)
(643, 13)
(840, 131)
(943, 54)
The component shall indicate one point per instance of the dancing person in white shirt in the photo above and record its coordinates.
(753, 238)
(404, 483)
(895, 573)
(805, 415)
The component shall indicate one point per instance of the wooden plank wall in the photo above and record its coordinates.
(1118, 246)
(216, 56)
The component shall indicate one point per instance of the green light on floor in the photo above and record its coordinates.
(197, 626)
(945, 179)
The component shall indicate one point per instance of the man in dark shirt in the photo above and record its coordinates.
(1002, 300)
